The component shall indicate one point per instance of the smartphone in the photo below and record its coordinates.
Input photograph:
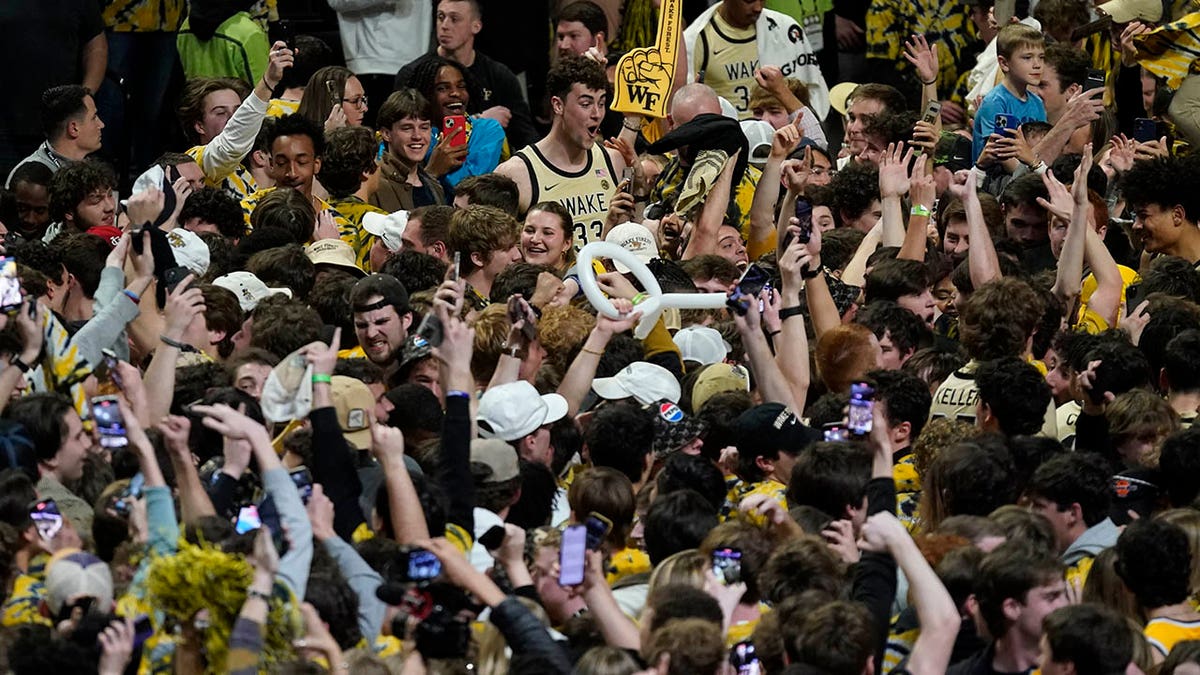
(430, 330)
(516, 312)
(835, 432)
(727, 565)
(132, 492)
(1005, 124)
(135, 239)
(268, 514)
(598, 528)
(142, 630)
(747, 289)
(1145, 130)
(804, 212)
(47, 518)
(109, 422)
(303, 481)
(10, 287)
(421, 565)
(932, 112)
(450, 125)
(1004, 11)
(286, 32)
(627, 178)
(106, 371)
(493, 538)
(332, 90)
(457, 265)
(744, 659)
(571, 555)
(173, 276)
(1095, 79)
(862, 408)
(247, 520)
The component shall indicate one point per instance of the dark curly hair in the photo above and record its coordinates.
(854, 188)
(998, 318)
(283, 326)
(1015, 392)
(1154, 560)
(906, 331)
(1075, 478)
(298, 125)
(572, 70)
(424, 80)
(1166, 182)
(74, 182)
(217, 207)
(417, 271)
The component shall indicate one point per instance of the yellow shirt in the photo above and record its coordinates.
(740, 490)
(278, 107)
(726, 58)
(1163, 634)
(1089, 287)
(359, 239)
(251, 201)
(239, 183)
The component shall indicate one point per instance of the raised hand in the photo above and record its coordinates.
(1059, 203)
(923, 56)
(281, 57)
(183, 305)
(893, 170)
(785, 138)
(1079, 187)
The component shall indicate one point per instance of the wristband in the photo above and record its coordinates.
(20, 365)
(176, 344)
(457, 393)
(321, 378)
(1039, 168)
(591, 351)
(788, 312)
(920, 210)
(773, 333)
(639, 298)
(809, 274)
(933, 81)
(254, 593)
(636, 128)
(137, 299)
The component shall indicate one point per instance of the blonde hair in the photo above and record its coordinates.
(685, 567)
(492, 658)
(1017, 35)
(491, 331)
(562, 332)
(1137, 413)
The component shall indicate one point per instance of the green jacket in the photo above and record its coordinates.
(239, 49)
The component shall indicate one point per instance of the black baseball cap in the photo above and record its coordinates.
(384, 285)
(770, 428)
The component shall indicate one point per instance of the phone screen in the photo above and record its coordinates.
(744, 659)
(304, 482)
(46, 517)
(597, 529)
(747, 289)
(1145, 130)
(862, 408)
(10, 286)
(727, 565)
(804, 215)
(269, 516)
(571, 558)
(423, 565)
(835, 432)
(247, 520)
(109, 422)
(457, 265)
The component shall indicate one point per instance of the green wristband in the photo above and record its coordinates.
(322, 379)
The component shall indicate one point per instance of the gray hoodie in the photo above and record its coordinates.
(1095, 539)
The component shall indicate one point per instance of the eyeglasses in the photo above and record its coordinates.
(360, 102)
(822, 171)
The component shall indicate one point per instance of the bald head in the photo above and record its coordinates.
(691, 100)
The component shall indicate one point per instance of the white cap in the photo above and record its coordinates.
(701, 344)
(728, 109)
(190, 250)
(759, 135)
(249, 289)
(389, 228)
(646, 382)
(514, 410)
(635, 238)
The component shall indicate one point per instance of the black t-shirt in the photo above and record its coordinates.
(46, 37)
(981, 664)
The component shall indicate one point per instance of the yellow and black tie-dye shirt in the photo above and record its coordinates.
(672, 177)
(945, 24)
(24, 603)
(238, 184)
(353, 209)
(143, 16)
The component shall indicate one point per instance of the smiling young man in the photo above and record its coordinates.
(458, 23)
(1163, 196)
(382, 316)
(486, 239)
(295, 145)
(569, 166)
(81, 197)
(404, 184)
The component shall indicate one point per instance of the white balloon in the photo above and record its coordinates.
(656, 301)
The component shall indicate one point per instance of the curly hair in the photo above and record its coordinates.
(562, 332)
(74, 182)
(854, 188)
(288, 210)
(1015, 392)
(284, 266)
(801, 564)
(215, 206)
(1075, 478)
(572, 70)
(424, 80)
(417, 271)
(283, 326)
(1154, 560)
(349, 153)
(1166, 182)
(297, 125)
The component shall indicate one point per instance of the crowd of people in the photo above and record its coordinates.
(322, 375)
